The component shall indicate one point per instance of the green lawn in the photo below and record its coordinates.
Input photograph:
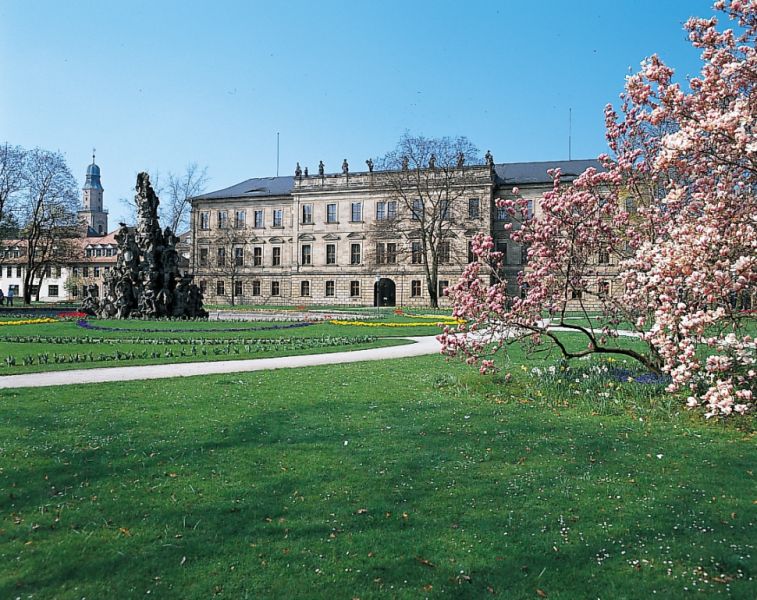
(401, 479)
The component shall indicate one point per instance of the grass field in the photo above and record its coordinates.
(401, 479)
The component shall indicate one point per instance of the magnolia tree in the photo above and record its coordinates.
(671, 222)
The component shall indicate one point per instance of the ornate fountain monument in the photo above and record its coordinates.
(146, 282)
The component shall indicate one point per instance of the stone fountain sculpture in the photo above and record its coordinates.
(146, 282)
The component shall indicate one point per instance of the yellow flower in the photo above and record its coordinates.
(379, 324)
(30, 321)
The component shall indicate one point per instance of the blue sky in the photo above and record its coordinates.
(156, 85)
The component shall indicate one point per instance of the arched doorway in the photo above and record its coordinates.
(384, 293)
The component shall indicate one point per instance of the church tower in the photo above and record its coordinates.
(92, 214)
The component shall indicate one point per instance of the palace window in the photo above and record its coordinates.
(604, 257)
(474, 208)
(391, 253)
(330, 288)
(239, 219)
(258, 219)
(304, 288)
(331, 213)
(203, 257)
(386, 253)
(256, 287)
(417, 210)
(502, 249)
(275, 288)
(307, 255)
(415, 288)
(238, 257)
(276, 256)
(502, 214)
(97, 271)
(257, 256)
(52, 291)
(220, 288)
(357, 212)
(354, 288)
(354, 254)
(221, 257)
(223, 219)
(386, 210)
(307, 214)
(84, 272)
(204, 220)
(278, 217)
(444, 252)
(330, 254)
(416, 253)
(237, 288)
(443, 285)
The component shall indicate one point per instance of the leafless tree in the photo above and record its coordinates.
(12, 160)
(225, 258)
(429, 181)
(179, 190)
(47, 215)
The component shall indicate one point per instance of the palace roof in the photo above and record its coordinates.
(521, 173)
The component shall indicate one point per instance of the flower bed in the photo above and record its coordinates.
(182, 349)
(83, 323)
(38, 321)
(379, 324)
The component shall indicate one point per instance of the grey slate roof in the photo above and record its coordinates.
(536, 172)
(507, 174)
(254, 188)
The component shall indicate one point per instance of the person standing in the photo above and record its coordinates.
(2, 298)
(10, 296)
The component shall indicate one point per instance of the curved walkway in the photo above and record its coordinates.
(421, 346)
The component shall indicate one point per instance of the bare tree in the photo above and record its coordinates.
(47, 215)
(179, 190)
(428, 179)
(225, 258)
(11, 177)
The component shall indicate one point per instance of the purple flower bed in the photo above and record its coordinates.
(648, 378)
(83, 323)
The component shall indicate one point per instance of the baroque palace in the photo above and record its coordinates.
(346, 238)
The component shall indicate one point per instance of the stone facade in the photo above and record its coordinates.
(328, 239)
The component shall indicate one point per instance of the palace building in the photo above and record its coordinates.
(347, 239)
